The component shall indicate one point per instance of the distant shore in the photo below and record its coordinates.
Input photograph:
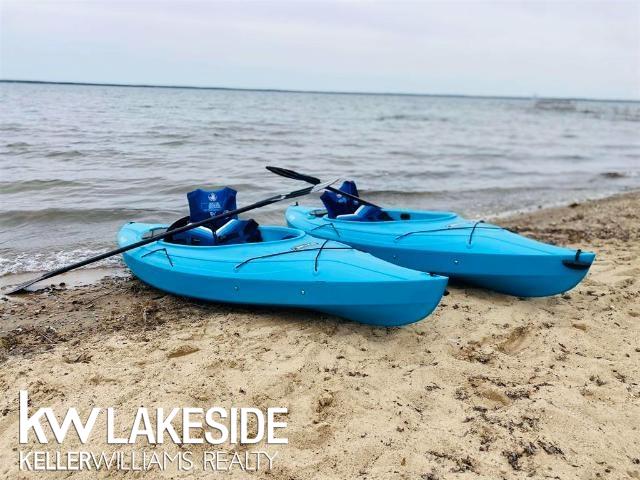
(489, 386)
(320, 92)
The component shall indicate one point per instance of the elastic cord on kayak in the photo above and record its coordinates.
(159, 250)
(326, 225)
(475, 225)
(473, 228)
(315, 263)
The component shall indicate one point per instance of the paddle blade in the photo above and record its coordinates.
(20, 287)
(285, 172)
(324, 185)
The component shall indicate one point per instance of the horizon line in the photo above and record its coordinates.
(321, 92)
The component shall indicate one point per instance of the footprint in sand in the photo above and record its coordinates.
(317, 436)
(518, 340)
(495, 396)
(101, 380)
(182, 350)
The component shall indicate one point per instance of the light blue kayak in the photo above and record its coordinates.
(289, 269)
(477, 253)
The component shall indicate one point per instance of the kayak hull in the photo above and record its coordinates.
(286, 273)
(479, 254)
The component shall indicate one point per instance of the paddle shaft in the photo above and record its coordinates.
(287, 173)
(102, 256)
(353, 197)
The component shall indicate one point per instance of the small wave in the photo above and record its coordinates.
(411, 117)
(18, 145)
(14, 218)
(182, 189)
(65, 153)
(555, 105)
(280, 133)
(11, 127)
(613, 175)
(407, 153)
(436, 192)
(40, 262)
(628, 118)
(173, 143)
(176, 136)
(572, 157)
(36, 185)
(393, 192)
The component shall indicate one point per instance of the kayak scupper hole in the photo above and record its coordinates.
(236, 288)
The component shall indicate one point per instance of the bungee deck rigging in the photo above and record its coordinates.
(315, 261)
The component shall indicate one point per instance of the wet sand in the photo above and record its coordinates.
(489, 386)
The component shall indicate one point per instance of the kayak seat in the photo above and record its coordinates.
(337, 204)
(367, 213)
(345, 208)
(238, 231)
(233, 232)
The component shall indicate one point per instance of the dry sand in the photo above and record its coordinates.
(489, 386)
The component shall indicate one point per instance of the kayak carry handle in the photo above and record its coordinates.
(576, 263)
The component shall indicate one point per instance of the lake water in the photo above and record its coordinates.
(78, 161)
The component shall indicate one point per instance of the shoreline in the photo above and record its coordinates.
(487, 386)
(92, 276)
(513, 214)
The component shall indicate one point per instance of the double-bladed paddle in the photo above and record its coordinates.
(285, 172)
(317, 186)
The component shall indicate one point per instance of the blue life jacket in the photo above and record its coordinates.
(238, 231)
(337, 204)
(204, 204)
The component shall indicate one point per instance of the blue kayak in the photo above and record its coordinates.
(477, 253)
(287, 268)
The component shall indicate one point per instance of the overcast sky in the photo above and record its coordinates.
(576, 49)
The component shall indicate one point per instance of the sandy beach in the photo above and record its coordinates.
(489, 386)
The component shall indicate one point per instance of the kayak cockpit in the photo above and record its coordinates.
(420, 216)
(201, 236)
(343, 204)
(394, 216)
(210, 227)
